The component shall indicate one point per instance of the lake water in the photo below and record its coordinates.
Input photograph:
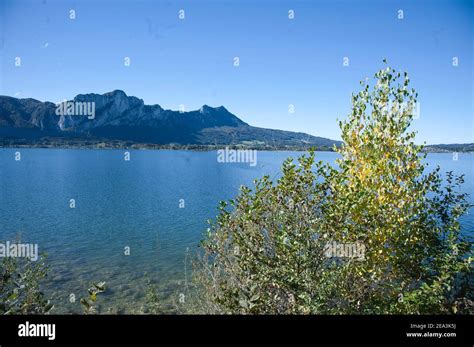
(135, 204)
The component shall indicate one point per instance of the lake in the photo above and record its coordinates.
(155, 205)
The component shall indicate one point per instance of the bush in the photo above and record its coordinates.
(267, 253)
(20, 286)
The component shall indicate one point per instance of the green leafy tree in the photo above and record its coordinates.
(268, 252)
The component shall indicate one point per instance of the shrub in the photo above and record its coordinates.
(266, 253)
(20, 292)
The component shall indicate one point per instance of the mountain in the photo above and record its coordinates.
(116, 117)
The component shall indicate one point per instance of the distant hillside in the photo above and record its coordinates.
(456, 147)
(122, 120)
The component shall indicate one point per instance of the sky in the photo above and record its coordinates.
(282, 61)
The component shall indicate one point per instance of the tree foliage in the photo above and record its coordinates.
(20, 291)
(266, 253)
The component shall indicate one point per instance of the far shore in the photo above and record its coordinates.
(193, 147)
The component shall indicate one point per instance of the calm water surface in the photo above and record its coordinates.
(135, 204)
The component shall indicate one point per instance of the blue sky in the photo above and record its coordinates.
(282, 61)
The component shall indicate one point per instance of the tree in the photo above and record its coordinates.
(269, 252)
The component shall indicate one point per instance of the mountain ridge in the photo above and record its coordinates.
(123, 121)
(119, 117)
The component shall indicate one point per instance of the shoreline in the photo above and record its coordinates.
(195, 148)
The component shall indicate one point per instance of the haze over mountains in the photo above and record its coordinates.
(127, 118)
